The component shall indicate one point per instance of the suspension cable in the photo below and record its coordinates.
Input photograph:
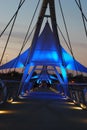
(27, 33)
(67, 35)
(26, 36)
(22, 49)
(65, 26)
(12, 18)
(29, 36)
(81, 10)
(25, 39)
(10, 33)
(63, 36)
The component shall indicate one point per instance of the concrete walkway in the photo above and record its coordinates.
(42, 114)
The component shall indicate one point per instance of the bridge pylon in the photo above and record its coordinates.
(26, 75)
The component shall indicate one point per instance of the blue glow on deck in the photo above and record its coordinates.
(44, 95)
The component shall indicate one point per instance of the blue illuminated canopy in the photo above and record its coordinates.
(46, 53)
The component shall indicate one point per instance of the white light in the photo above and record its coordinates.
(14, 102)
(6, 112)
(10, 100)
(76, 108)
(70, 103)
(83, 106)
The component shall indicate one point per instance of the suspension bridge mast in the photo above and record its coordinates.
(52, 16)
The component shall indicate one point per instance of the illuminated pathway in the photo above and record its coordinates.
(44, 114)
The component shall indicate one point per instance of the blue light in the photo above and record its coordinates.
(64, 73)
(34, 77)
(52, 77)
(45, 55)
(67, 57)
(70, 67)
(55, 55)
(19, 65)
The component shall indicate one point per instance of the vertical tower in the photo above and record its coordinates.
(52, 16)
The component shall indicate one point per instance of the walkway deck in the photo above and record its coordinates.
(42, 114)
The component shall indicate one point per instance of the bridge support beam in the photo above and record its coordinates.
(57, 41)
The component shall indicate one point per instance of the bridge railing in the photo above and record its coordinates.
(78, 94)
